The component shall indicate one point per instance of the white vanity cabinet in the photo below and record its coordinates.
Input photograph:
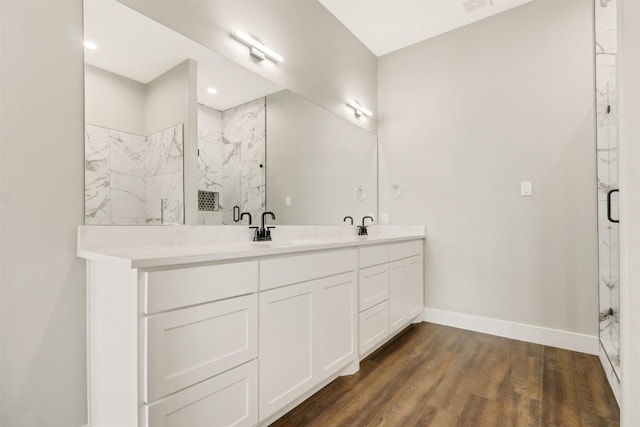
(307, 324)
(188, 336)
(167, 346)
(391, 291)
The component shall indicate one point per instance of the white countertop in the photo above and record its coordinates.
(159, 255)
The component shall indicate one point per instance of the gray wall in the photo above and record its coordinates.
(42, 282)
(113, 101)
(323, 60)
(464, 118)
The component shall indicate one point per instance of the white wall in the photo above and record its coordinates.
(113, 101)
(42, 282)
(629, 90)
(464, 118)
(323, 60)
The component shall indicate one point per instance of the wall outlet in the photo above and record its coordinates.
(384, 218)
(526, 188)
(287, 201)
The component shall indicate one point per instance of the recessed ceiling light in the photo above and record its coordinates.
(212, 91)
(90, 45)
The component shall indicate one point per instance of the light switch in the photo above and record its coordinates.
(526, 188)
(287, 201)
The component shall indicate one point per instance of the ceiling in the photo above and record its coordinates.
(388, 25)
(139, 48)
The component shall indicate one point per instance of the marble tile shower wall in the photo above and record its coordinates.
(127, 176)
(607, 158)
(232, 159)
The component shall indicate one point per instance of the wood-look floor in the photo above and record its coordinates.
(434, 375)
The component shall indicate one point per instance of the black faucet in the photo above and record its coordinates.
(263, 233)
(350, 217)
(246, 213)
(362, 229)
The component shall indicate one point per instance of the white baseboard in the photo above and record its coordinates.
(518, 331)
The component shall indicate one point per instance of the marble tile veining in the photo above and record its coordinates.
(97, 194)
(128, 153)
(232, 158)
(128, 196)
(126, 175)
(96, 149)
(165, 152)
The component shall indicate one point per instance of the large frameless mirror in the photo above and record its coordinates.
(176, 133)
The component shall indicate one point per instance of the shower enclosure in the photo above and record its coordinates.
(607, 172)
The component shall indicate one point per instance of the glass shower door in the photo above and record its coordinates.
(607, 171)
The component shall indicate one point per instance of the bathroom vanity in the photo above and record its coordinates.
(191, 326)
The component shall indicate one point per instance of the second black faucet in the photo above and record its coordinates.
(362, 229)
(263, 233)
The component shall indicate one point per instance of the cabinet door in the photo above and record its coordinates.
(229, 399)
(405, 291)
(336, 323)
(415, 286)
(398, 290)
(190, 345)
(287, 346)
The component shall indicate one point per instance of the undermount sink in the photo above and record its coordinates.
(282, 243)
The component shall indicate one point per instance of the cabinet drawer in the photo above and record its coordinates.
(374, 326)
(230, 399)
(373, 286)
(180, 287)
(373, 255)
(288, 270)
(190, 345)
(405, 249)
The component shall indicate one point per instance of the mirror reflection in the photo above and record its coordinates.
(175, 133)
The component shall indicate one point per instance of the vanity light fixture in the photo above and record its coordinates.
(90, 45)
(212, 91)
(258, 50)
(359, 110)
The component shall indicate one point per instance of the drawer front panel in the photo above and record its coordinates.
(373, 286)
(373, 255)
(190, 345)
(180, 287)
(374, 326)
(405, 249)
(230, 399)
(288, 270)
